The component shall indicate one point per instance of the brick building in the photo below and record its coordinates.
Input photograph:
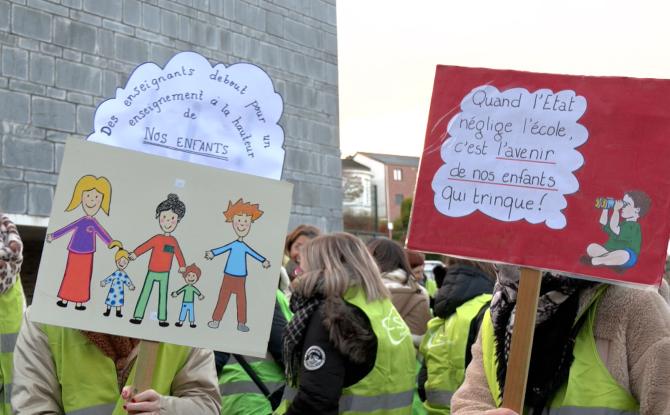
(61, 58)
(394, 177)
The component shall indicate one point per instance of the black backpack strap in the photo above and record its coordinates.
(274, 397)
(252, 374)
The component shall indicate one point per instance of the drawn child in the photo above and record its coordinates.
(163, 248)
(241, 215)
(92, 194)
(191, 276)
(623, 230)
(117, 281)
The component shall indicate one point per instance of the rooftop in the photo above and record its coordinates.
(393, 159)
(349, 163)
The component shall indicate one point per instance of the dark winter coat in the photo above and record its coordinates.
(347, 353)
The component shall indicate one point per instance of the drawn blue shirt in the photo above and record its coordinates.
(236, 265)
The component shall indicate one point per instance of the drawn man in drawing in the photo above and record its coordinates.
(623, 230)
(241, 215)
(163, 248)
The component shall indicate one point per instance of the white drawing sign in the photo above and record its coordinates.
(162, 250)
(512, 155)
(225, 117)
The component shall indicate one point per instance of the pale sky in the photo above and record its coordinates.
(387, 52)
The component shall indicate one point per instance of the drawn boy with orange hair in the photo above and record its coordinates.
(241, 215)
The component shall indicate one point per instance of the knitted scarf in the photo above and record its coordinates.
(11, 253)
(119, 349)
(349, 331)
(294, 334)
(555, 332)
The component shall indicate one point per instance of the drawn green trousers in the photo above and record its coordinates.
(162, 279)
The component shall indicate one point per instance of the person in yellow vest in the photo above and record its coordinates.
(460, 303)
(59, 370)
(240, 395)
(12, 303)
(597, 349)
(346, 350)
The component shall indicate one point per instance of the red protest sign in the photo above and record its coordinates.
(559, 172)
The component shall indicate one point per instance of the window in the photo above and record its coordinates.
(397, 175)
(398, 199)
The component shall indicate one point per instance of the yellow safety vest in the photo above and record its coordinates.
(431, 287)
(590, 388)
(88, 379)
(389, 387)
(239, 394)
(12, 304)
(444, 350)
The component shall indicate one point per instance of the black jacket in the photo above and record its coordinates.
(460, 285)
(326, 370)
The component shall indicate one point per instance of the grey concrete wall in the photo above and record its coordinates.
(61, 58)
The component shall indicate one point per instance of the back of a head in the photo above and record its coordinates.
(415, 258)
(439, 271)
(486, 268)
(389, 255)
(336, 262)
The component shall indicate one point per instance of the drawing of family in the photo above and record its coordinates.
(93, 194)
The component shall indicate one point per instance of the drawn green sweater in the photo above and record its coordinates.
(630, 236)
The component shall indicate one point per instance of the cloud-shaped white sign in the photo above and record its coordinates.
(512, 155)
(220, 116)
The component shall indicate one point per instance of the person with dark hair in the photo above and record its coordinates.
(294, 243)
(460, 303)
(12, 303)
(408, 297)
(439, 271)
(163, 248)
(597, 349)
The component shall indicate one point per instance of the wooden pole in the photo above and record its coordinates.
(522, 339)
(145, 364)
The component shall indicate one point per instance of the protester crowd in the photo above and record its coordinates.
(356, 331)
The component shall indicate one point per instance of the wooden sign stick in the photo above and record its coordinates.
(522, 339)
(145, 364)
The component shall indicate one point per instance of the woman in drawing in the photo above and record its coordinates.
(92, 193)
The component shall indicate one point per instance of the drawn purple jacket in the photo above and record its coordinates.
(85, 230)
